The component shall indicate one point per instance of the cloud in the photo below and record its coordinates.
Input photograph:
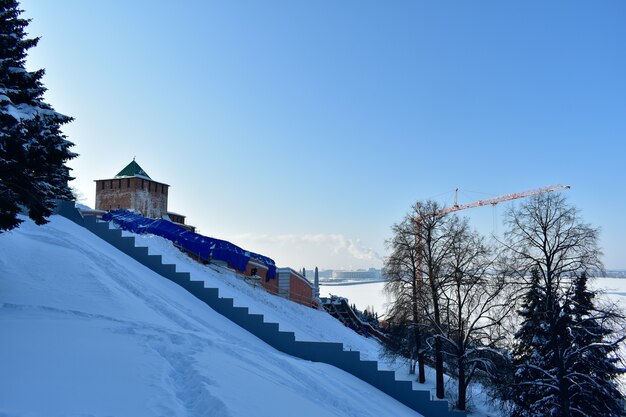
(335, 242)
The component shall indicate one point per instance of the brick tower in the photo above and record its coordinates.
(133, 189)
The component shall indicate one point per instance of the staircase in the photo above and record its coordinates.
(329, 353)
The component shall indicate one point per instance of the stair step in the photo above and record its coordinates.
(157, 259)
(320, 352)
(168, 270)
(194, 287)
(271, 327)
(285, 342)
(386, 380)
(252, 323)
(126, 244)
(223, 306)
(239, 314)
(181, 278)
(102, 227)
(349, 361)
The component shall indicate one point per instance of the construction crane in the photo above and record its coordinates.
(492, 201)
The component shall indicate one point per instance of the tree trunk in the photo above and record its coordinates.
(439, 369)
(461, 401)
(417, 282)
(563, 381)
(438, 346)
(420, 364)
(418, 338)
(460, 340)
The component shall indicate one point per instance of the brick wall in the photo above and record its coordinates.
(270, 285)
(258, 268)
(300, 290)
(147, 197)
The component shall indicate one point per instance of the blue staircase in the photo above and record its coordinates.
(329, 353)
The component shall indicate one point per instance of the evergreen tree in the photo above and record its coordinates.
(33, 150)
(566, 355)
(533, 388)
(592, 358)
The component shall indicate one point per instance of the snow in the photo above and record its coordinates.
(83, 207)
(367, 294)
(23, 111)
(137, 175)
(612, 288)
(307, 324)
(87, 331)
(363, 295)
(94, 333)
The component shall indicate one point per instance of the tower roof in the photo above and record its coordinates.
(133, 170)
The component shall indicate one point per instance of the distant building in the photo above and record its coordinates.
(133, 189)
(371, 274)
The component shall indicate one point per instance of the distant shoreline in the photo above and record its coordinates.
(339, 284)
(346, 283)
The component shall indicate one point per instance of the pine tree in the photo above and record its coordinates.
(566, 355)
(33, 150)
(593, 357)
(533, 386)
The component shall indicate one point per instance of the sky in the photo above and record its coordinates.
(304, 130)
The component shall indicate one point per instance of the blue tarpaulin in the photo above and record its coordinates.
(203, 247)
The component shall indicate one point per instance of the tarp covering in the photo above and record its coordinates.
(204, 247)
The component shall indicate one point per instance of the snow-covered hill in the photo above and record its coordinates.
(87, 331)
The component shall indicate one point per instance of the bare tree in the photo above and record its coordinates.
(436, 236)
(475, 303)
(405, 285)
(548, 234)
(420, 246)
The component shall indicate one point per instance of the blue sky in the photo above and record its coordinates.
(304, 130)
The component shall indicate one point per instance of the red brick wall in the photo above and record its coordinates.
(271, 285)
(113, 194)
(147, 197)
(300, 290)
(261, 270)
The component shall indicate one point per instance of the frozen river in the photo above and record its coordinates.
(371, 294)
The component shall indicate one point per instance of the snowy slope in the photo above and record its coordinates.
(306, 323)
(87, 331)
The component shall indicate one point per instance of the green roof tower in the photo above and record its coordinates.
(133, 170)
